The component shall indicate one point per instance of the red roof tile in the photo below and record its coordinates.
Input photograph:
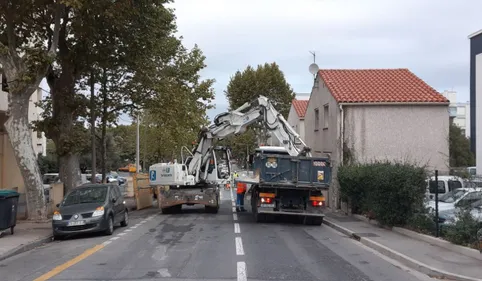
(300, 107)
(378, 86)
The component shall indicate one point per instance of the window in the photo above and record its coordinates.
(317, 119)
(4, 83)
(441, 187)
(454, 185)
(39, 134)
(452, 111)
(326, 114)
(470, 198)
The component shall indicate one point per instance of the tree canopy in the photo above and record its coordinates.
(244, 86)
(459, 147)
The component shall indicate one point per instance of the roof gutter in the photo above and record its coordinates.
(393, 103)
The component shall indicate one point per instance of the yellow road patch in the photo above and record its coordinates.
(69, 263)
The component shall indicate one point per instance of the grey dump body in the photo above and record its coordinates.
(295, 181)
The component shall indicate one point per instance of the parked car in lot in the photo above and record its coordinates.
(449, 217)
(90, 208)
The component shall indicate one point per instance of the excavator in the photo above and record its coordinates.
(286, 180)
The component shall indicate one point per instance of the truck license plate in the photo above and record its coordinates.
(75, 223)
(267, 205)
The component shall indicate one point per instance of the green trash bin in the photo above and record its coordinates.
(8, 209)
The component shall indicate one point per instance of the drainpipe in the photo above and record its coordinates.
(342, 140)
(342, 132)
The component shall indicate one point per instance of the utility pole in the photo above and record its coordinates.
(137, 143)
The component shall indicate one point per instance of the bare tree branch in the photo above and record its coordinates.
(10, 29)
(55, 37)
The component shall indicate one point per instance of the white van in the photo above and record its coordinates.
(445, 185)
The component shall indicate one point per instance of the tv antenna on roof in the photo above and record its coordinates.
(313, 67)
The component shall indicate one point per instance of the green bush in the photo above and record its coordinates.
(464, 231)
(392, 192)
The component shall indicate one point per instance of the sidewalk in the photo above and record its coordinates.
(27, 236)
(421, 256)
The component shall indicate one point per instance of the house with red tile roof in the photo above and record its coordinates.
(296, 116)
(362, 115)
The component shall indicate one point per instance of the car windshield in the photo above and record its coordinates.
(452, 196)
(86, 195)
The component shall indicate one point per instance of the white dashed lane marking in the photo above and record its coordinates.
(241, 271)
(237, 229)
(235, 217)
(239, 246)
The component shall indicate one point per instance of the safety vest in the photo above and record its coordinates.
(241, 188)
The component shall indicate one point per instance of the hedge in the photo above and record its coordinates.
(392, 192)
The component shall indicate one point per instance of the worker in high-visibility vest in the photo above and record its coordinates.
(241, 188)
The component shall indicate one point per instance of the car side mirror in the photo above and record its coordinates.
(57, 205)
(114, 200)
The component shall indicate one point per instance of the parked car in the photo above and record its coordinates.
(456, 199)
(90, 208)
(449, 217)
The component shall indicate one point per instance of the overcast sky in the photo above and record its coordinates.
(429, 37)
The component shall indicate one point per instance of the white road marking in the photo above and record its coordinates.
(221, 196)
(234, 209)
(114, 238)
(127, 230)
(120, 234)
(134, 227)
(234, 204)
(164, 272)
(106, 243)
(239, 246)
(237, 229)
(235, 217)
(241, 268)
(144, 221)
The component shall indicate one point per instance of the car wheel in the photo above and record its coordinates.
(125, 222)
(110, 226)
(58, 237)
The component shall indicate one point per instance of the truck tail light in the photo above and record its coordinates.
(317, 201)
(266, 200)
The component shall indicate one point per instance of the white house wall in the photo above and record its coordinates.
(323, 141)
(417, 134)
(296, 123)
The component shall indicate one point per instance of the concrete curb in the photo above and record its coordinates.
(440, 243)
(412, 263)
(26, 247)
(466, 251)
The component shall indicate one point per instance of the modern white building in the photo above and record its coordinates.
(475, 92)
(459, 112)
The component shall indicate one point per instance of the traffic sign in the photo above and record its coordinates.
(152, 175)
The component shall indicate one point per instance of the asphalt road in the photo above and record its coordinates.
(199, 246)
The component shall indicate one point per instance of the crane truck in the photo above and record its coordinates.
(287, 181)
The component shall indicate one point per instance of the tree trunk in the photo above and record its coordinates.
(69, 171)
(92, 127)
(20, 136)
(103, 149)
(62, 90)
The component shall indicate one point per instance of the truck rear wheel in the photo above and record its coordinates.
(212, 209)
